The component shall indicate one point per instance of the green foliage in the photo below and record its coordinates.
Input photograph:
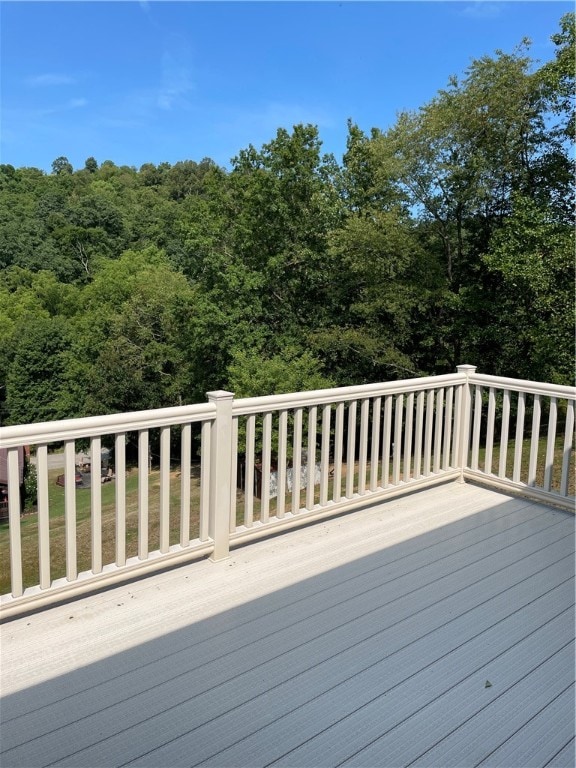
(446, 238)
(533, 256)
(557, 77)
(62, 166)
(91, 165)
(289, 370)
(131, 335)
(30, 485)
(35, 380)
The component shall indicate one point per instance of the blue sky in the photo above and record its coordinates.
(137, 82)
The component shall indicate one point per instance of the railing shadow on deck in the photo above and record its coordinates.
(303, 658)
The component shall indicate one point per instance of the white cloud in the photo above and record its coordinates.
(482, 10)
(175, 84)
(49, 79)
(272, 115)
(59, 108)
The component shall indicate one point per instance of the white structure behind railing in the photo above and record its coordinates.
(343, 448)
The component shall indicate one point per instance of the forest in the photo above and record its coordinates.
(447, 238)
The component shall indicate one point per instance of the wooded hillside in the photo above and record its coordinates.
(448, 238)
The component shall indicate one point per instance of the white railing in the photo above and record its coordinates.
(522, 437)
(232, 470)
(336, 449)
(91, 543)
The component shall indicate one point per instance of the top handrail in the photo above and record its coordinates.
(93, 426)
(250, 405)
(523, 385)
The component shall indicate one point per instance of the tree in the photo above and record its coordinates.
(461, 161)
(286, 203)
(445, 238)
(129, 349)
(91, 165)
(364, 183)
(35, 389)
(557, 81)
(186, 178)
(532, 334)
(257, 250)
(62, 166)
(385, 280)
(252, 373)
(557, 78)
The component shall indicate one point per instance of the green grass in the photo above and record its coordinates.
(540, 466)
(29, 522)
(29, 526)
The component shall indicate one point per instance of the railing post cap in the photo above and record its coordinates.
(467, 369)
(219, 394)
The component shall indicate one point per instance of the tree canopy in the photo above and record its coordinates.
(447, 237)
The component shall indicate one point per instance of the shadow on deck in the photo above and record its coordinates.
(436, 629)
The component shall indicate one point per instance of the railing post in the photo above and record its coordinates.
(220, 473)
(464, 419)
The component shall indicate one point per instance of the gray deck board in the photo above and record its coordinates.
(366, 640)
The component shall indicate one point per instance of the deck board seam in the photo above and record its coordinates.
(526, 723)
(562, 748)
(341, 682)
(383, 584)
(306, 671)
(396, 685)
(440, 616)
(462, 723)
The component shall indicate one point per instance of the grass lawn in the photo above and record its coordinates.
(29, 526)
(29, 522)
(540, 466)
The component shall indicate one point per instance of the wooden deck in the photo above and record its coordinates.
(436, 629)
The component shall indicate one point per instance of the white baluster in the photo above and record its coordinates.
(282, 463)
(205, 451)
(266, 461)
(448, 427)
(43, 516)
(363, 456)
(438, 429)
(550, 443)
(490, 431)
(325, 455)
(249, 471)
(504, 434)
(96, 503)
(185, 468)
(351, 450)
(428, 432)
(408, 436)
(297, 460)
(477, 426)
(338, 451)
(311, 458)
(375, 447)
(567, 450)
(519, 438)
(120, 471)
(143, 509)
(386, 441)
(14, 523)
